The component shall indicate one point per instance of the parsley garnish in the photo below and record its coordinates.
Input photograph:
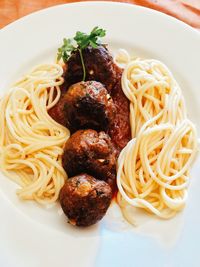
(83, 40)
(78, 43)
(65, 50)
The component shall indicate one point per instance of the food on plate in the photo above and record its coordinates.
(90, 125)
(85, 199)
(153, 169)
(91, 152)
(85, 58)
(31, 142)
(87, 105)
(99, 66)
(119, 130)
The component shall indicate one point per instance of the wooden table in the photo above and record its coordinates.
(186, 10)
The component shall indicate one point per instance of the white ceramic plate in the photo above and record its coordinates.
(31, 236)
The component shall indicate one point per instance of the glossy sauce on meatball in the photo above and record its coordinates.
(91, 152)
(119, 130)
(88, 105)
(99, 66)
(85, 199)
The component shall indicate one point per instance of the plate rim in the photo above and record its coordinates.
(96, 3)
(15, 212)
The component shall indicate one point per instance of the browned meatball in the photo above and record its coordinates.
(91, 152)
(88, 105)
(99, 66)
(85, 105)
(85, 200)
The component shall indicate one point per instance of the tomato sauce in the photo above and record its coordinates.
(120, 131)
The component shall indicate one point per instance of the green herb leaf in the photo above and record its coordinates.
(98, 32)
(80, 42)
(65, 50)
(83, 40)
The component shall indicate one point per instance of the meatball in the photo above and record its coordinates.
(85, 199)
(91, 152)
(99, 66)
(88, 105)
(85, 105)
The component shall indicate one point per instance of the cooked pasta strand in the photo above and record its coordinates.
(31, 142)
(153, 169)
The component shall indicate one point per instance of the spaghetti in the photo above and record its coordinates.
(31, 142)
(153, 169)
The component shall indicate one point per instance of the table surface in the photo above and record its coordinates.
(185, 10)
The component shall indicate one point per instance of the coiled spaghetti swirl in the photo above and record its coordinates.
(31, 142)
(153, 169)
